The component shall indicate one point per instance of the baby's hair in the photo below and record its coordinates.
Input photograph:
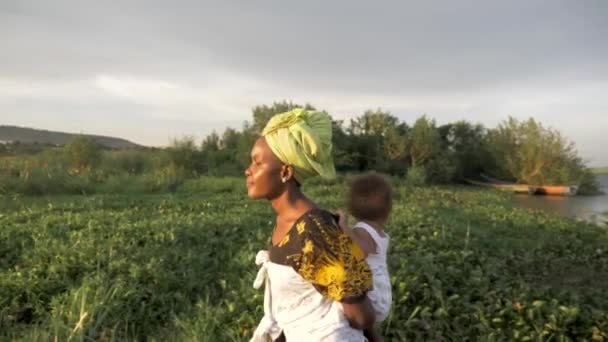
(370, 197)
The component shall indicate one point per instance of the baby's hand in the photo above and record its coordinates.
(343, 221)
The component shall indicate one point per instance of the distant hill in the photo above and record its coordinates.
(30, 135)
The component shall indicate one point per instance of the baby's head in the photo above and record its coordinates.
(370, 198)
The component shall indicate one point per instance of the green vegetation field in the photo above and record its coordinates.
(180, 266)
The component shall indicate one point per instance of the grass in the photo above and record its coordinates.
(465, 265)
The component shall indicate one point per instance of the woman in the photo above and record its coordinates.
(316, 278)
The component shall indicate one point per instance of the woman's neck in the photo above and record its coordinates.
(291, 201)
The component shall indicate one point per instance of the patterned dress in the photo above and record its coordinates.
(306, 275)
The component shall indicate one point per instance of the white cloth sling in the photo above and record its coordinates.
(268, 327)
(293, 306)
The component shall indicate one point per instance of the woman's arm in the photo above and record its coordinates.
(326, 250)
(359, 312)
(372, 335)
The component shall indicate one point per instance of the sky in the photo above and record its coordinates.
(151, 71)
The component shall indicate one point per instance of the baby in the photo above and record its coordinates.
(370, 202)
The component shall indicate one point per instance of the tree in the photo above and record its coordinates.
(342, 147)
(82, 154)
(374, 122)
(533, 154)
(184, 156)
(466, 144)
(377, 141)
(222, 154)
(210, 143)
(263, 114)
(244, 146)
(395, 142)
(230, 139)
(424, 141)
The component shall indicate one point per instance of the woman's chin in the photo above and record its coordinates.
(252, 194)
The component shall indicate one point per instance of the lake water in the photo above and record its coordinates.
(586, 207)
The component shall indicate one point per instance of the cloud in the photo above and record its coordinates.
(193, 65)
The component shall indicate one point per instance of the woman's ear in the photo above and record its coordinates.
(287, 173)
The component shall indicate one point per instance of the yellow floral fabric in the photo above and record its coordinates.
(322, 254)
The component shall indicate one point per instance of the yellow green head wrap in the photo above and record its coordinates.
(302, 139)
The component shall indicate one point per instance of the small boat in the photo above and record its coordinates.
(554, 190)
(557, 190)
(516, 188)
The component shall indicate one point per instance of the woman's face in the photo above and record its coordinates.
(264, 173)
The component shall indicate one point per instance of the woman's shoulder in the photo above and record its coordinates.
(319, 219)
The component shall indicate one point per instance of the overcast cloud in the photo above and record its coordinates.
(148, 71)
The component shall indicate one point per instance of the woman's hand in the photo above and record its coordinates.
(360, 313)
(343, 221)
(359, 236)
(372, 335)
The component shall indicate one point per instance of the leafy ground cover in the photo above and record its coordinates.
(465, 265)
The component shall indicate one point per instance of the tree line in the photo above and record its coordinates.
(420, 152)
